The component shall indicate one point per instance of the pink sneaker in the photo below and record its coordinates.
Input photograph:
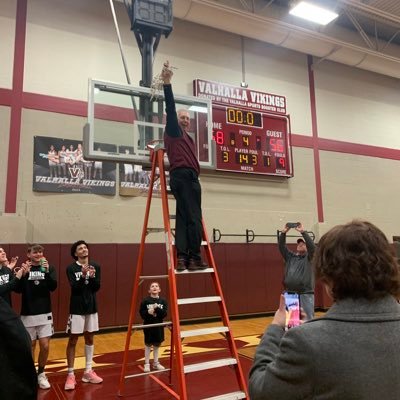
(91, 377)
(70, 383)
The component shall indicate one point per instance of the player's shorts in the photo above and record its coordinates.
(82, 323)
(38, 326)
(41, 331)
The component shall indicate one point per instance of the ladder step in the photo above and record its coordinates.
(228, 396)
(154, 230)
(204, 331)
(197, 271)
(223, 362)
(146, 373)
(195, 300)
(142, 326)
(153, 276)
(203, 243)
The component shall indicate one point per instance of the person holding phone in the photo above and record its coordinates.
(299, 275)
(352, 352)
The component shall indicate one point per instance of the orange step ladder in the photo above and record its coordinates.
(177, 362)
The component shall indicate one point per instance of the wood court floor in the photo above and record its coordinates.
(108, 358)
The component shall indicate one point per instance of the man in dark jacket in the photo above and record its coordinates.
(184, 181)
(18, 379)
(299, 275)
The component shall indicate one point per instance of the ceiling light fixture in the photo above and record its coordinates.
(313, 13)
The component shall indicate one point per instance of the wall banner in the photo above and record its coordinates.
(59, 166)
(134, 180)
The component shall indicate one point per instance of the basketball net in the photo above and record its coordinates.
(157, 83)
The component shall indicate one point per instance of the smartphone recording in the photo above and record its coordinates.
(293, 312)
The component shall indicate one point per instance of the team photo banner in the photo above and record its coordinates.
(134, 180)
(59, 166)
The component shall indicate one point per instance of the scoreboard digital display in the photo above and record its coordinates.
(251, 142)
(250, 130)
(243, 117)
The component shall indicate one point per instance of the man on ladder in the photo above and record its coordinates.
(184, 181)
(190, 235)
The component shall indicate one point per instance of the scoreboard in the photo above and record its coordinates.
(250, 141)
(250, 130)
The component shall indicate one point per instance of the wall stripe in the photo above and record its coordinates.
(314, 125)
(302, 141)
(54, 104)
(16, 108)
(5, 97)
(77, 108)
(358, 149)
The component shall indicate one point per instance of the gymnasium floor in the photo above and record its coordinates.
(108, 357)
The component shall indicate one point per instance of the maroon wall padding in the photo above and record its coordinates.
(64, 287)
(251, 278)
(106, 256)
(125, 271)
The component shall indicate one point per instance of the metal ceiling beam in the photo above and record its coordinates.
(369, 10)
(245, 5)
(266, 5)
(390, 40)
(326, 57)
(376, 35)
(359, 28)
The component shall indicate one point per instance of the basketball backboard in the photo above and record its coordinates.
(123, 120)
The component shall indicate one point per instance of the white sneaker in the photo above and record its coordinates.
(43, 381)
(146, 368)
(158, 366)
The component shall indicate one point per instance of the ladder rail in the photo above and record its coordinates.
(224, 313)
(135, 291)
(172, 281)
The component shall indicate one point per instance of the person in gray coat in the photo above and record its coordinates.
(352, 352)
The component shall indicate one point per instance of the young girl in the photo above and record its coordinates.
(153, 310)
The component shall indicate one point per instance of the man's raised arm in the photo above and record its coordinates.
(282, 243)
(172, 127)
(309, 242)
